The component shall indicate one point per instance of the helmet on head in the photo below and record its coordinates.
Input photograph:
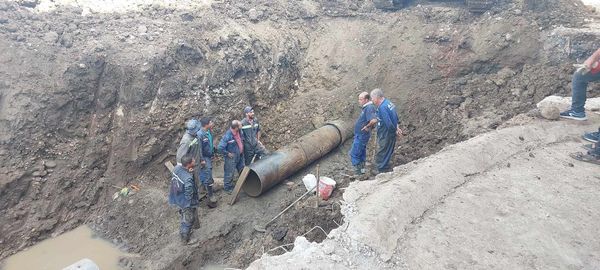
(192, 126)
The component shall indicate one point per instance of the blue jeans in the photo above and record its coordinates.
(206, 172)
(579, 85)
(358, 153)
(231, 164)
(386, 142)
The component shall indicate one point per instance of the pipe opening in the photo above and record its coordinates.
(252, 185)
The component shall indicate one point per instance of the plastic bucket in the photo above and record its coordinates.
(326, 186)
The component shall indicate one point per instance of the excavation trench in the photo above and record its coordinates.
(112, 92)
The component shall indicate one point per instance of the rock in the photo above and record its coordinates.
(28, 3)
(328, 249)
(279, 233)
(503, 76)
(254, 15)
(455, 100)
(40, 173)
(142, 29)
(50, 164)
(550, 112)
(66, 40)
(516, 91)
(3, 20)
(186, 17)
(51, 37)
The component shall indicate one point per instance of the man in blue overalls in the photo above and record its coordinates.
(231, 147)
(362, 133)
(387, 130)
(205, 138)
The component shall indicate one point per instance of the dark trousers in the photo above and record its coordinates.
(189, 220)
(358, 153)
(251, 150)
(386, 142)
(231, 165)
(579, 84)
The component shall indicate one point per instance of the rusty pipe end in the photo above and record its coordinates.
(252, 185)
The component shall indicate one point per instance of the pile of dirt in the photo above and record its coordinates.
(93, 101)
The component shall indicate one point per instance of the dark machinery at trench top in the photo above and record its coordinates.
(284, 162)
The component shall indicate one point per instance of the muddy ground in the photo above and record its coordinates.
(95, 100)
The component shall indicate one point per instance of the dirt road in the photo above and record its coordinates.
(508, 199)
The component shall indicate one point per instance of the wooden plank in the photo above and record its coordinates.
(169, 166)
(240, 182)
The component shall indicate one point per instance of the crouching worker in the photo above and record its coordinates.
(232, 147)
(184, 194)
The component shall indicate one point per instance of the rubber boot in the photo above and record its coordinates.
(185, 238)
(212, 201)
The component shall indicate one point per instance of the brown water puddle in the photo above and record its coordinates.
(64, 250)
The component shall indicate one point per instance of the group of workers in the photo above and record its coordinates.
(239, 146)
(377, 112)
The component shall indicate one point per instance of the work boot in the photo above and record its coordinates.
(185, 238)
(211, 203)
(363, 168)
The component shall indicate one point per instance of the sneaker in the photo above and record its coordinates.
(570, 114)
(588, 147)
(591, 136)
(229, 191)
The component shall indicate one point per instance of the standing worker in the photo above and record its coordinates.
(589, 72)
(251, 137)
(188, 144)
(205, 139)
(232, 147)
(387, 130)
(362, 133)
(184, 194)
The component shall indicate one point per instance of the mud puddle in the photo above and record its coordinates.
(64, 250)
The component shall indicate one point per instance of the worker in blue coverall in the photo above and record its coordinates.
(184, 194)
(205, 138)
(231, 147)
(387, 130)
(362, 133)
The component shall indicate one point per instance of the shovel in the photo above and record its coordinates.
(263, 229)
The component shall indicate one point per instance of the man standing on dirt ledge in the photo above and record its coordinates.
(184, 194)
(362, 133)
(251, 137)
(387, 130)
(588, 73)
(205, 138)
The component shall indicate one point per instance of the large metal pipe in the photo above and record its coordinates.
(284, 162)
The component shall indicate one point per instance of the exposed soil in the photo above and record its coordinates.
(92, 101)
